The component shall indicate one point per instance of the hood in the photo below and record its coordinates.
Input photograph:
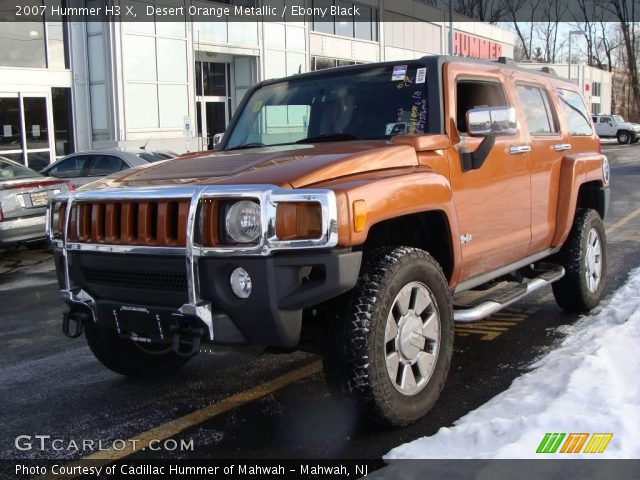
(286, 166)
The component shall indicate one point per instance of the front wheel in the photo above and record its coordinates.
(390, 352)
(584, 258)
(132, 359)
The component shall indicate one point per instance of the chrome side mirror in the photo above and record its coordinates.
(483, 121)
(217, 138)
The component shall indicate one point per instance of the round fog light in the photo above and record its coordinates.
(240, 282)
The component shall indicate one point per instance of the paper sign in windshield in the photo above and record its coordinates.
(399, 73)
(421, 75)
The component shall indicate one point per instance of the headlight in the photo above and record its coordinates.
(243, 221)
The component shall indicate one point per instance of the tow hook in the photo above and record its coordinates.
(186, 340)
(73, 323)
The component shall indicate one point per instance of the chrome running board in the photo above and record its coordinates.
(522, 290)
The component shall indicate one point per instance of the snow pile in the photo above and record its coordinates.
(590, 383)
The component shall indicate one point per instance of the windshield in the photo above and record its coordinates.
(618, 119)
(13, 171)
(369, 104)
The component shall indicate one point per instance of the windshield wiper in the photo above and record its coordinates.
(329, 137)
(248, 145)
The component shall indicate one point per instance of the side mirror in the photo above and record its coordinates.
(491, 121)
(217, 138)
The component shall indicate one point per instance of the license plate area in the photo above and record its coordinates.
(39, 199)
(141, 323)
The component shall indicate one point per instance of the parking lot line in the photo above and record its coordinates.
(175, 427)
(623, 221)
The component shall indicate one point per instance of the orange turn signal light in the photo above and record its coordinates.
(359, 215)
(298, 220)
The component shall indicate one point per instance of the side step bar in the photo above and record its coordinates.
(490, 307)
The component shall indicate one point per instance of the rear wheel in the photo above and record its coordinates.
(623, 137)
(130, 358)
(390, 352)
(584, 258)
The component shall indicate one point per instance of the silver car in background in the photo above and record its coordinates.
(85, 167)
(24, 195)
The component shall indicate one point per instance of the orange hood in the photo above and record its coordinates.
(286, 166)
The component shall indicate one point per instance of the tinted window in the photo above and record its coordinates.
(577, 116)
(11, 171)
(104, 165)
(536, 105)
(68, 168)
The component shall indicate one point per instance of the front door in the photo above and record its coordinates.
(25, 133)
(493, 201)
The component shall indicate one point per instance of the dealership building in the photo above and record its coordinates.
(76, 86)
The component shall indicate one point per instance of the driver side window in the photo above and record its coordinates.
(476, 93)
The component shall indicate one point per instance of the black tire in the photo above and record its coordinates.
(127, 358)
(623, 137)
(38, 245)
(356, 350)
(572, 292)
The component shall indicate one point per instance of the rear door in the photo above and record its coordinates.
(548, 146)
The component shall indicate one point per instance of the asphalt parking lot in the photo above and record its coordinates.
(232, 405)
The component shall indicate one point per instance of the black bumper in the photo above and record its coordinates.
(283, 285)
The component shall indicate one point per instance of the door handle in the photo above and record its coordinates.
(516, 149)
(561, 147)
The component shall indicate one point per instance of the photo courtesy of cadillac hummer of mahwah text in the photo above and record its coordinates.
(348, 212)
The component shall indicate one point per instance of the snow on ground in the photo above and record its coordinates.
(590, 383)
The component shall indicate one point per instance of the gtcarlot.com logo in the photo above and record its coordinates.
(47, 443)
(574, 443)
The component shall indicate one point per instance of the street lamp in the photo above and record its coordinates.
(571, 34)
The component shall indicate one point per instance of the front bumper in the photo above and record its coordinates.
(283, 285)
(22, 229)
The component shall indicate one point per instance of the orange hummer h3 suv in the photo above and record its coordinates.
(343, 213)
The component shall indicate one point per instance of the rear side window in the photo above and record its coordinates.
(574, 109)
(69, 168)
(104, 165)
(537, 107)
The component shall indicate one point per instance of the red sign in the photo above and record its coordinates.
(469, 46)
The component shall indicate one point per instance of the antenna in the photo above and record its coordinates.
(144, 147)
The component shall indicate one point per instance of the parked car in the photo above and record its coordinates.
(24, 195)
(614, 126)
(85, 167)
(346, 226)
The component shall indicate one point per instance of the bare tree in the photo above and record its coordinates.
(515, 10)
(625, 13)
(491, 11)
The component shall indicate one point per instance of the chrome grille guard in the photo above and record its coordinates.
(268, 197)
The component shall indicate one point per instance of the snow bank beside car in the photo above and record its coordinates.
(588, 384)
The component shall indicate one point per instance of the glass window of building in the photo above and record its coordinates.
(363, 26)
(62, 120)
(320, 63)
(22, 45)
(11, 133)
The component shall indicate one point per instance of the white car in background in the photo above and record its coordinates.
(614, 126)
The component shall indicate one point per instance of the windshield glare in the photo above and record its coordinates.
(372, 104)
(618, 119)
